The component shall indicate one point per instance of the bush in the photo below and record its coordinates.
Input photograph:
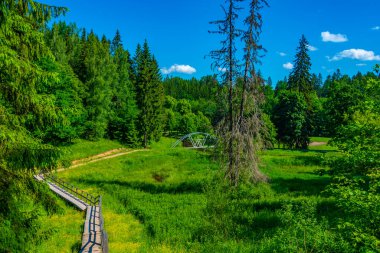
(302, 231)
(359, 199)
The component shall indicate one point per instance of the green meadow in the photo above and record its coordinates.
(169, 200)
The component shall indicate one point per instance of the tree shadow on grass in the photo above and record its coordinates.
(184, 187)
(301, 187)
(321, 151)
(309, 160)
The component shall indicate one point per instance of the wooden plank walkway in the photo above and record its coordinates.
(64, 194)
(68, 197)
(92, 234)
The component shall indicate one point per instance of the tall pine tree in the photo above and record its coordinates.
(96, 71)
(300, 77)
(123, 116)
(23, 102)
(295, 110)
(149, 95)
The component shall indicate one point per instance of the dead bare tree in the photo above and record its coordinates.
(225, 60)
(239, 130)
(250, 122)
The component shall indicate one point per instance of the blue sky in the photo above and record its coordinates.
(343, 34)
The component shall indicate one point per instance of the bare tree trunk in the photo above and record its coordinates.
(230, 97)
(239, 128)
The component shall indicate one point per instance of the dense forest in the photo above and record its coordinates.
(60, 82)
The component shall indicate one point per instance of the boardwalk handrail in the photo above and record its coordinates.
(104, 235)
(92, 200)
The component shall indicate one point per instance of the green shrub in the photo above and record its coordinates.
(302, 231)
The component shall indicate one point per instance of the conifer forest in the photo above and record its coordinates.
(293, 164)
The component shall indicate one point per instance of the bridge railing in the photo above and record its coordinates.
(104, 241)
(85, 196)
(196, 140)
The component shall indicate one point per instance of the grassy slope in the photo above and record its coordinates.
(66, 228)
(131, 185)
(83, 149)
(155, 200)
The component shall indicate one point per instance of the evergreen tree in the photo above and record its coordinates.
(295, 122)
(116, 43)
(290, 117)
(149, 95)
(68, 92)
(96, 71)
(270, 82)
(300, 77)
(123, 116)
(280, 86)
(24, 103)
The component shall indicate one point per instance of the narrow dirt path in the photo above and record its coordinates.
(103, 156)
(317, 143)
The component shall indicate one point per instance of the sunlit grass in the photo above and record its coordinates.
(155, 200)
(83, 148)
(65, 230)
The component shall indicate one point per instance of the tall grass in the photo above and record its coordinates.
(82, 148)
(175, 200)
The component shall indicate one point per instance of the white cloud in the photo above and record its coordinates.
(311, 48)
(222, 69)
(184, 69)
(375, 28)
(282, 54)
(361, 64)
(356, 54)
(288, 66)
(330, 37)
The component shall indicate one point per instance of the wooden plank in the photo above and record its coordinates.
(68, 197)
(91, 238)
(39, 177)
(92, 235)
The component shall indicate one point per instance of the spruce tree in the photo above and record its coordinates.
(96, 71)
(300, 77)
(149, 95)
(123, 115)
(24, 103)
(295, 121)
(290, 118)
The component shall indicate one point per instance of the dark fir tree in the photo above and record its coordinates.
(295, 122)
(123, 114)
(290, 118)
(96, 71)
(24, 103)
(149, 95)
(316, 81)
(300, 77)
(280, 86)
(270, 82)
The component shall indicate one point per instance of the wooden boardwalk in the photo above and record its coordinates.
(93, 233)
(64, 194)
